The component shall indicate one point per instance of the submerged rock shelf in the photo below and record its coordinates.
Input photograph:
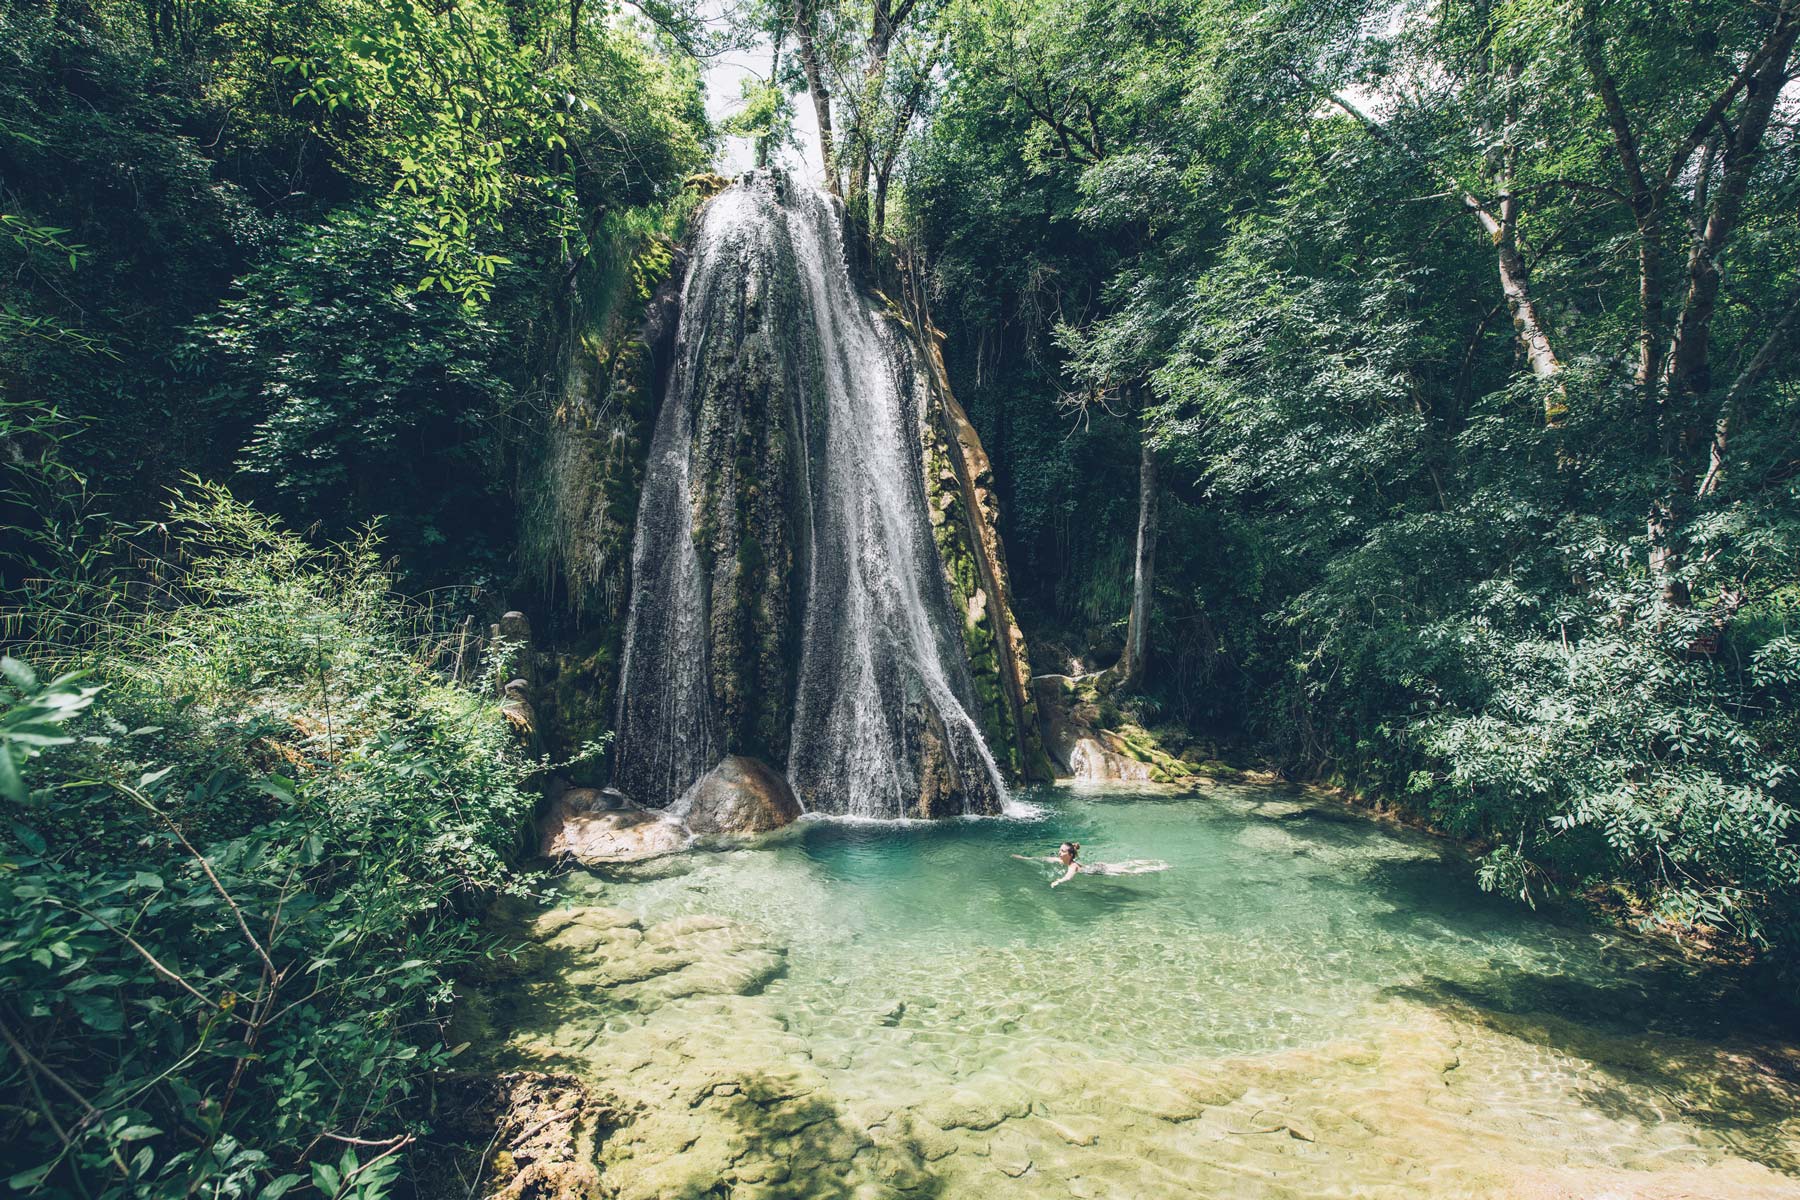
(824, 1016)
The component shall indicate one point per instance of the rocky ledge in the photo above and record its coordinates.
(602, 826)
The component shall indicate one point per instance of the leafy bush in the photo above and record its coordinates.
(368, 396)
(243, 836)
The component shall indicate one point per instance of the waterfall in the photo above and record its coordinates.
(784, 517)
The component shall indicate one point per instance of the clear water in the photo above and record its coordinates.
(1340, 974)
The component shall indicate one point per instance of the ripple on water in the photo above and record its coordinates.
(1302, 1002)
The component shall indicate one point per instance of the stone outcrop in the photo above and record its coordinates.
(580, 471)
(1069, 718)
(965, 516)
(597, 826)
(740, 795)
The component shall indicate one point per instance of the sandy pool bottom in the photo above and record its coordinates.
(1304, 1005)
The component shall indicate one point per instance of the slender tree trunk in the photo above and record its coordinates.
(1688, 367)
(1690, 362)
(862, 163)
(805, 30)
(1515, 275)
(881, 194)
(1747, 378)
(909, 105)
(1137, 631)
(1643, 198)
(765, 147)
(1534, 338)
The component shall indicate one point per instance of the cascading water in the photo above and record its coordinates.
(784, 543)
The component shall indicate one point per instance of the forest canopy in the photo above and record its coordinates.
(1462, 339)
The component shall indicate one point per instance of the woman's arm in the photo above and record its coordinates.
(1074, 869)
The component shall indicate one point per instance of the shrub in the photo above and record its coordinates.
(243, 837)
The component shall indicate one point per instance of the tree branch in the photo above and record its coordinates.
(1747, 379)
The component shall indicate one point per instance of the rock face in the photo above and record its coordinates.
(965, 518)
(595, 826)
(1089, 759)
(1080, 749)
(580, 472)
(740, 795)
(790, 597)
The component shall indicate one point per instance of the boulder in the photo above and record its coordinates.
(1081, 749)
(741, 795)
(1060, 731)
(1090, 759)
(598, 825)
(517, 708)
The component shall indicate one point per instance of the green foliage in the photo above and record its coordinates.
(241, 234)
(373, 397)
(474, 109)
(237, 858)
(766, 118)
(1247, 229)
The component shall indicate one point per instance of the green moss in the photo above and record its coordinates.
(581, 479)
(950, 529)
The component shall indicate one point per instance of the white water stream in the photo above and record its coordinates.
(882, 672)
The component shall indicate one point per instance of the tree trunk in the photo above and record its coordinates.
(1137, 632)
(1746, 380)
(1644, 200)
(765, 146)
(1688, 365)
(1690, 361)
(881, 194)
(880, 41)
(804, 30)
(1515, 276)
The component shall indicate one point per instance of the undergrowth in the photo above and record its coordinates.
(247, 830)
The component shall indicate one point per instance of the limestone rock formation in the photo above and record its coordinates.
(580, 471)
(596, 826)
(740, 795)
(965, 517)
(1081, 749)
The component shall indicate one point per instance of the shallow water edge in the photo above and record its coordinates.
(1308, 1003)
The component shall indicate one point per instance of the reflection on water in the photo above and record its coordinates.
(1296, 964)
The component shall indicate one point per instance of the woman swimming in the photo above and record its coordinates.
(1068, 852)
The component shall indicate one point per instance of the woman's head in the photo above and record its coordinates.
(1068, 850)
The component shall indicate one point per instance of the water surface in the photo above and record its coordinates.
(1306, 999)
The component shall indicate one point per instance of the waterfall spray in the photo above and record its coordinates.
(786, 463)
